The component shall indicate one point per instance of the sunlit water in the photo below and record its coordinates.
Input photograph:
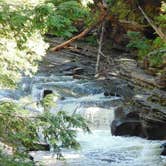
(99, 148)
(102, 149)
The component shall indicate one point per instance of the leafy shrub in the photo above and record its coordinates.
(21, 45)
(6, 160)
(20, 130)
(21, 28)
(147, 48)
(58, 17)
(138, 42)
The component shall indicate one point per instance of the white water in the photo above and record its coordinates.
(102, 149)
(99, 148)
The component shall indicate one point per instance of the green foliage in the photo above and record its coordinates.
(91, 40)
(48, 101)
(157, 45)
(138, 42)
(144, 47)
(59, 16)
(126, 10)
(60, 129)
(21, 28)
(16, 129)
(19, 130)
(161, 18)
(21, 44)
(11, 161)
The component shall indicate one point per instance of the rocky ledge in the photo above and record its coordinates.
(144, 115)
(143, 112)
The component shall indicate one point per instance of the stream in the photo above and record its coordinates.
(99, 148)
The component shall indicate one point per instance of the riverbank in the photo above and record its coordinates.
(144, 106)
(66, 72)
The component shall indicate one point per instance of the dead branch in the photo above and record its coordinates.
(157, 29)
(103, 14)
(100, 47)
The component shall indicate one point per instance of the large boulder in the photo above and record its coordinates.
(126, 122)
(46, 92)
(152, 116)
(126, 128)
(163, 152)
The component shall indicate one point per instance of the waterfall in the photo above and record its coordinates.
(99, 148)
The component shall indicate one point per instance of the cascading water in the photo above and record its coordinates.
(99, 148)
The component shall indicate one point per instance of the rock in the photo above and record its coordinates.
(163, 146)
(39, 146)
(68, 73)
(126, 128)
(47, 92)
(120, 113)
(119, 88)
(78, 71)
(161, 81)
(68, 66)
(106, 93)
(152, 117)
(126, 122)
(154, 130)
(31, 157)
(76, 76)
(62, 98)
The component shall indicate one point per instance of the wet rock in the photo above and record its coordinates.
(76, 76)
(68, 73)
(146, 117)
(126, 123)
(161, 81)
(39, 146)
(152, 117)
(163, 146)
(106, 93)
(154, 130)
(119, 113)
(126, 127)
(47, 92)
(68, 66)
(62, 98)
(78, 71)
(119, 88)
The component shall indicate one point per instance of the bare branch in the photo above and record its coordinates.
(157, 29)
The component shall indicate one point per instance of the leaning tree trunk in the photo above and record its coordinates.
(157, 29)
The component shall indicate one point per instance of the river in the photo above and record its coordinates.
(99, 148)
